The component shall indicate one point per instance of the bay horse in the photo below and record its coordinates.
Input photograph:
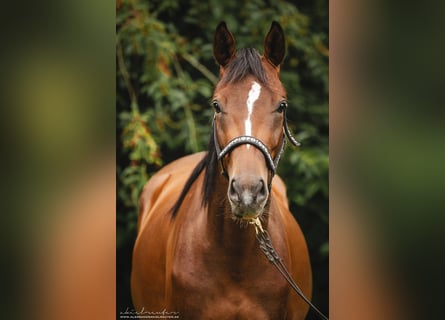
(194, 256)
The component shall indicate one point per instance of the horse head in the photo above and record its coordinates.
(249, 120)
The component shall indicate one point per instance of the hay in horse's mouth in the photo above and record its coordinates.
(244, 220)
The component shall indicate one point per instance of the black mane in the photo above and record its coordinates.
(209, 163)
(246, 62)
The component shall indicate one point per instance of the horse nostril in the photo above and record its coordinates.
(233, 194)
(260, 190)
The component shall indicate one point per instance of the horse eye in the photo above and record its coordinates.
(282, 106)
(216, 106)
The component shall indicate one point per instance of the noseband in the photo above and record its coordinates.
(272, 163)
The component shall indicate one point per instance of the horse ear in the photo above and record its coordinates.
(275, 44)
(223, 44)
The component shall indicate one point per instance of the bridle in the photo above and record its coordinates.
(272, 163)
(261, 234)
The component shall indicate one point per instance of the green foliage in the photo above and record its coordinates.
(165, 79)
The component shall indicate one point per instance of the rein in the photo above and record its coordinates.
(270, 253)
(261, 234)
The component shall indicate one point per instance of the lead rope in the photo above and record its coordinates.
(270, 253)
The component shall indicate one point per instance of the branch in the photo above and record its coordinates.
(200, 67)
(125, 74)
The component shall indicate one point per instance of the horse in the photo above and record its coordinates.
(195, 256)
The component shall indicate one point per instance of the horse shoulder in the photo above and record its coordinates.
(154, 232)
(157, 187)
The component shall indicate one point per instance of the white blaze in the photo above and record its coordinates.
(253, 96)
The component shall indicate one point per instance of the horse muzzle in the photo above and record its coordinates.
(248, 197)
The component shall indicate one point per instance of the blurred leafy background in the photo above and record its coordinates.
(165, 78)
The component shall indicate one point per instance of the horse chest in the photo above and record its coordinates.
(217, 291)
